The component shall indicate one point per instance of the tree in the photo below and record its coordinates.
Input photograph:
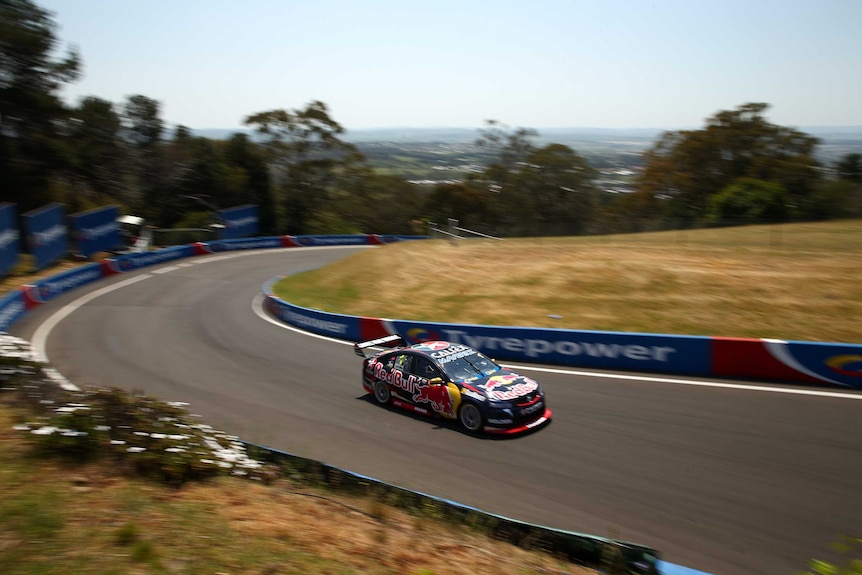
(98, 154)
(308, 156)
(240, 152)
(143, 129)
(748, 200)
(557, 191)
(849, 168)
(31, 112)
(507, 151)
(472, 206)
(684, 169)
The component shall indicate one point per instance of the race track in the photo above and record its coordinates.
(726, 480)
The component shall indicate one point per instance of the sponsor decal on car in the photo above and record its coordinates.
(508, 387)
(433, 346)
(533, 408)
(439, 396)
(501, 421)
(396, 377)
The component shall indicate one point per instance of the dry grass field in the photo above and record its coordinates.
(789, 281)
(58, 518)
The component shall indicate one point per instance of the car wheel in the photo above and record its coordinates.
(470, 417)
(381, 392)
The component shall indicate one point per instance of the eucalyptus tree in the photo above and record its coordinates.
(684, 169)
(556, 188)
(143, 131)
(242, 154)
(31, 111)
(307, 155)
(98, 154)
(507, 151)
(849, 168)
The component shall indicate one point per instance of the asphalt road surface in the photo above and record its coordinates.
(733, 481)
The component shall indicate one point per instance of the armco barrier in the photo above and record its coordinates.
(610, 555)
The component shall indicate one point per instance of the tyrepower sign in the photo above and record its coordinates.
(589, 349)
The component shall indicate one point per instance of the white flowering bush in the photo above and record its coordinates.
(149, 437)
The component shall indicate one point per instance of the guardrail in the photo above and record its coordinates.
(612, 556)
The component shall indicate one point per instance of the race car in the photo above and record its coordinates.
(453, 381)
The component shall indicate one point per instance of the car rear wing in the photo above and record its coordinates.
(396, 340)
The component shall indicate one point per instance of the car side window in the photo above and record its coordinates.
(424, 368)
(402, 362)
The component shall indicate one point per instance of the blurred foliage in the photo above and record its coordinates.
(847, 548)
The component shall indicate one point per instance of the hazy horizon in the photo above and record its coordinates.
(615, 64)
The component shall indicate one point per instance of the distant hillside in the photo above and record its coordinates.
(560, 135)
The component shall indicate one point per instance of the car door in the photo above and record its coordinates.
(399, 366)
(432, 388)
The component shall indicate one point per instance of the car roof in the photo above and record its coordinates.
(432, 348)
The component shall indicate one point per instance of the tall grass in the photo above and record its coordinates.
(789, 281)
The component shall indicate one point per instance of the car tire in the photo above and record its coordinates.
(381, 392)
(470, 417)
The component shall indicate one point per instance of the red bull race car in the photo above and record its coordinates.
(453, 381)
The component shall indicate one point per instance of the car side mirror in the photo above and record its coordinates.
(436, 381)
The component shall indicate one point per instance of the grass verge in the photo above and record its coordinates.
(788, 281)
(104, 481)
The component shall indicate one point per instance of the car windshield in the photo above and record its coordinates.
(470, 367)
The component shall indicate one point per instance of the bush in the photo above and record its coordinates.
(152, 438)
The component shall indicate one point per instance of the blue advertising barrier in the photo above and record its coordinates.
(12, 307)
(589, 349)
(9, 238)
(836, 363)
(131, 262)
(239, 222)
(347, 240)
(242, 244)
(46, 234)
(319, 322)
(47, 289)
(96, 231)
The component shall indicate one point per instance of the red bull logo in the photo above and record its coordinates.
(508, 387)
(438, 396)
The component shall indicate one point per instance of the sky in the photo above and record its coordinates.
(667, 64)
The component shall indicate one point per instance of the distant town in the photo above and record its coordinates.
(430, 156)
